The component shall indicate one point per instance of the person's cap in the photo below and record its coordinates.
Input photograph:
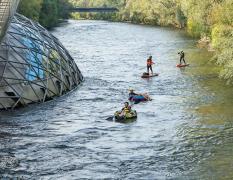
(130, 89)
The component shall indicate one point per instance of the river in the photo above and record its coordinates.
(186, 132)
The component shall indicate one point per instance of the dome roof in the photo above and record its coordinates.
(34, 65)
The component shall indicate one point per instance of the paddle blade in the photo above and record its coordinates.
(110, 118)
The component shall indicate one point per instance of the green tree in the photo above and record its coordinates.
(30, 8)
(49, 13)
(64, 9)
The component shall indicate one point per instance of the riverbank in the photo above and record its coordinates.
(204, 42)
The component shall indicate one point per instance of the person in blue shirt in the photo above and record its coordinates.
(137, 98)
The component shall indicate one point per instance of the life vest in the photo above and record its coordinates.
(149, 62)
(127, 109)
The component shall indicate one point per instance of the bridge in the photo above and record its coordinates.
(97, 9)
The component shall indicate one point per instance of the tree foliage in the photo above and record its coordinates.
(30, 8)
(47, 12)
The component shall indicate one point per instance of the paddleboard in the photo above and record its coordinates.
(182, 65)
(149, 76)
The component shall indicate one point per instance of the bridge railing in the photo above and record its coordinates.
(98, 9)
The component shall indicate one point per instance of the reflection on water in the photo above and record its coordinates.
(184, 133)
(212, 129)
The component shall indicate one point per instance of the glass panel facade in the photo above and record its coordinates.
(34, 65)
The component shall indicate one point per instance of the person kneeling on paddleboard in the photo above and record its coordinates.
(149, 65)
(182, 55)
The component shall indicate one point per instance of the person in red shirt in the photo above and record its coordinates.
(149, 65)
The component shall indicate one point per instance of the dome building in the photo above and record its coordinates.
(34, 65)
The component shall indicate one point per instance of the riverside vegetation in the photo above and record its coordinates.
(47, 12)
(209, 20)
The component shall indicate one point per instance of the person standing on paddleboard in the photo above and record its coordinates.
(182, 55)
(149, 65)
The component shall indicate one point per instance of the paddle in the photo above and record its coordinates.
(145, 67)
(110, 118)
(142, 68)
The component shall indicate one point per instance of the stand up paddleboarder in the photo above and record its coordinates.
(149, 65)
(182, 55)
